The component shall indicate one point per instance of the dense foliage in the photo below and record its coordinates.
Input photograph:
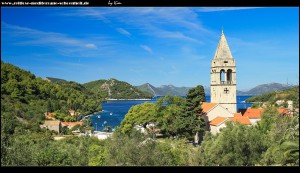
(173, 115)
(273, 141)
(272, 97)
(114, 89)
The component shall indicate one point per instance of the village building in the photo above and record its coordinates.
(254, 114)
(70, 125)
(52, 125)
(211, 112)
(223, 77)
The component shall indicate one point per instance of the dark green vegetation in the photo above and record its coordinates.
(272, 97)
(114, 89)
(32, 96)
(273, 141)
(173, 115)
(25, 99)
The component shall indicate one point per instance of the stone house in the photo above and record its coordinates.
(52, 125)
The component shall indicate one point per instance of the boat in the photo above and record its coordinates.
(111, 113)
(99, 116)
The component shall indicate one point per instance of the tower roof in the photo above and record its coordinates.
(223, 51)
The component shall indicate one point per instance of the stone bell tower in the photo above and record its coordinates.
(223, 77)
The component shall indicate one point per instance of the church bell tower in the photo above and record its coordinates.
(223, 77)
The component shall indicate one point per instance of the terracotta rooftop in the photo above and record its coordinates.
(253, 113)
(217, 121)
(283, 110)
(242, 120)
(207, 106)
(238, 114)
(71, 123)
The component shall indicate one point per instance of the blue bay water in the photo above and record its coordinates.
(114, 111)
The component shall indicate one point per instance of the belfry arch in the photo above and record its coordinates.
(229, 76)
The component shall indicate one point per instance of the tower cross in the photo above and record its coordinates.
(226, 90)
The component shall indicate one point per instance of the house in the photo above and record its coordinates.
(279, 102)
(52, 125)
(73, 112)
(254, 114)
(216, 124)
(70, 125)
(219, 122)
(241, 120)
(285, 112)
(212, 111)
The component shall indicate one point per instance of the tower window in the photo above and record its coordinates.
(225, 61)
(229, 76)
(222, 75)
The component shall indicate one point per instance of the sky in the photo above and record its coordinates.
(156, 45)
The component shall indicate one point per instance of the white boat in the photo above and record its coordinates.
(99, 116)
(111, 113)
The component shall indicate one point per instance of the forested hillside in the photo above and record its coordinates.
(114, 89)
(272, 97)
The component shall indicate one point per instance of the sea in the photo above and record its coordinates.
(114, 111)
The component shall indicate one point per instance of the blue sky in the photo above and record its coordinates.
(150, 44)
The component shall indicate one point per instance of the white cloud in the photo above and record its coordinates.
(64, 44)
(91, 46)
(178, 23)
(214, 9)
(123, 31)
(147, 48)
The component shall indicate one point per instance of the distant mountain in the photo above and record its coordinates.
(287, 94)
(182, 91)
(115, 89)
(164, 90)
(265, 88)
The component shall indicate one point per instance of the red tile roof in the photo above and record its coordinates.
(253, 113)
(207, 106)
(71, 123)
(242, 120)
(283, 110)
(217, 121)
(238, 114)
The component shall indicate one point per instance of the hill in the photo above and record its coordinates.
(265, 88)
(164, 90)
(33, 96)
(55, 80)
(273, 96)
(115, 89)
(258, 90)
(182, 91)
